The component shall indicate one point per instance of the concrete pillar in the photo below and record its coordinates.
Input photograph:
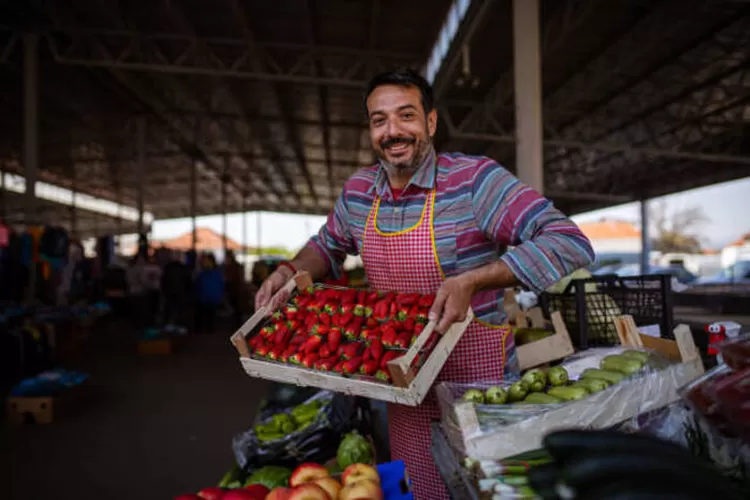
(258, 250)
(645, 241)
(194, 199)
(224, 182)
(31, 139)
(140, 169)
(528, 94)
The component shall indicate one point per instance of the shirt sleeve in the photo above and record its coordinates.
(547, 245)
(334, 241)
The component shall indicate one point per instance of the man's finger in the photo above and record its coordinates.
(437, 307)
(447, 319)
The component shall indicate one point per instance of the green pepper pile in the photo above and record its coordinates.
(283, 424)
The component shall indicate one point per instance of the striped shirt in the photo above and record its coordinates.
(482, 214)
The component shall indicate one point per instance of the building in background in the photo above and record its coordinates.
(614, 241)
(736, 251)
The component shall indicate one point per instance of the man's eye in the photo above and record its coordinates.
(407, 116)
(378, 122)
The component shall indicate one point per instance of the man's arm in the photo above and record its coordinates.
(547, 245)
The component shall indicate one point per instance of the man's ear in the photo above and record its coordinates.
(432, 122)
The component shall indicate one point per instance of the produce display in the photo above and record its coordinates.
(352, 333)
(722, 398)
(309, 481)
(552, 386)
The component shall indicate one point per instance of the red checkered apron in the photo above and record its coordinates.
(406, 261)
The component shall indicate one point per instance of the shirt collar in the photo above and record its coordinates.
(424, 177)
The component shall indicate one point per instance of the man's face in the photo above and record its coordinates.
(400, 130)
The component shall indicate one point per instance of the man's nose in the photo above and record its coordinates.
(392, 129)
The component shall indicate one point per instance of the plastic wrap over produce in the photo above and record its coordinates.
(595, 389)
(308, 432)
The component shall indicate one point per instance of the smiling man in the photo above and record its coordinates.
(430, 223)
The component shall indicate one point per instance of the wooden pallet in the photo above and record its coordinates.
(408, 388)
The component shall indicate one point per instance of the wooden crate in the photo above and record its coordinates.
(155, 347)
(44, 409)
(600, 410)
(408, 388)
(552, 348)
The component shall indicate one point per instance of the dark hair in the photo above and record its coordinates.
(405, 77)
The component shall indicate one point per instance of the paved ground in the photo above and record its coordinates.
(151, 427)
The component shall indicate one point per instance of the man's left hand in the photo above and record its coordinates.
(452, 302)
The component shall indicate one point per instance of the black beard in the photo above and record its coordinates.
(405, 167)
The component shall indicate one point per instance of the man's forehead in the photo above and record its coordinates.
(389, 98)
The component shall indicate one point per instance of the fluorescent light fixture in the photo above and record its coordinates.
(56, 194)
(448, 32)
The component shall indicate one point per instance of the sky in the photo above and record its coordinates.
(726, 205)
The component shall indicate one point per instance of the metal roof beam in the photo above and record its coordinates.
(129, 50)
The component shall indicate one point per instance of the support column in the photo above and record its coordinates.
(258, 250)
(645, 241)
(224, 182)
(74, 201)
(528, 94)
(244, 233)
(194, 199)
(31, 139)
(140, 169)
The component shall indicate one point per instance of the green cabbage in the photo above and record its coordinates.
(354, 449)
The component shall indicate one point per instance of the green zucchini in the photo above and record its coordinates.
(639, 355)
(606, 375)
(568, 393)
(621, 364)
(592, 384)
(541, 398)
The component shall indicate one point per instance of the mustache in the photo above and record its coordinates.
(396, 140)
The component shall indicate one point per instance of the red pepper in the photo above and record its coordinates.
(383, 375)
(407, 299)
(276, 352)
(369, 367)
(367, 335)
(290, 312)
(351, 350)
(403, 340)
(289, 351)
(282, 336)
(311, 345)
(326, 364)
(324, 351)
(376, 348)
(381, 310)
(298, 340)
(352, 365)
(263, 350)
(389, 336)
(426, 301)
(388, 356)
(334, 339)
(310, 359)
(349, 297)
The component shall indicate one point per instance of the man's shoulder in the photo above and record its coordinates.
(464, 167)
(362, 180)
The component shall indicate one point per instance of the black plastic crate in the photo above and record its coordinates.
(590, 316)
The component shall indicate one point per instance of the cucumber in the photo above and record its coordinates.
(621, 364)
(639, 355)
(541, 398)
(568, 393)
(592, 384)
(606, 375)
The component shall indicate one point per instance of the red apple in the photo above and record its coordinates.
(362, 489)
(330, 485)
(357, 472)
(307, 473)
(189, 496)
(240, 494)
(260, 491)
(279, 494)
(309, 491)
(211, 493)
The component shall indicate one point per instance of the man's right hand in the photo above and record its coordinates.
(270, 286)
